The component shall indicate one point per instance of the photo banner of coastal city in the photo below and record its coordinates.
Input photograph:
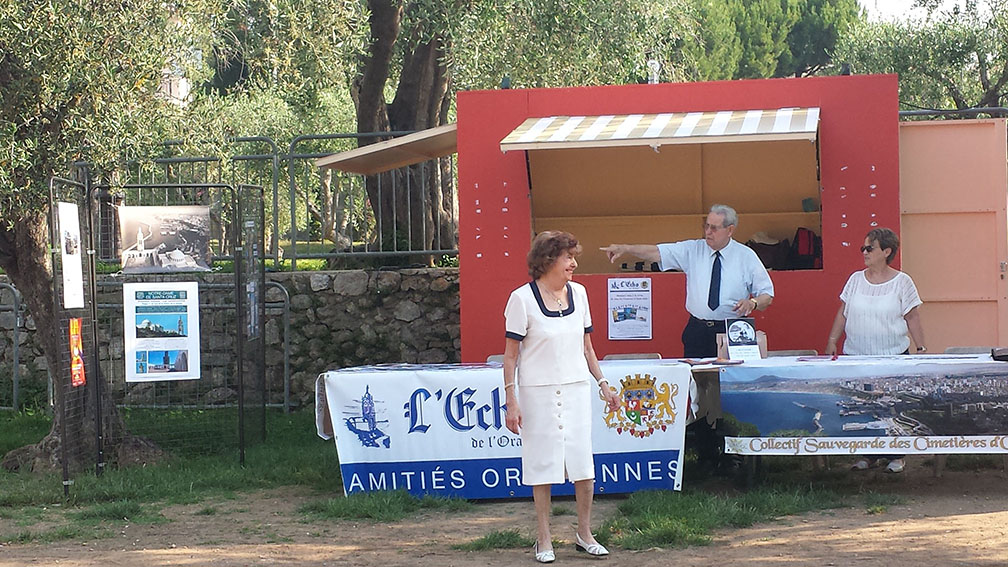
(868, 405)
(161, 331)
(165, 239)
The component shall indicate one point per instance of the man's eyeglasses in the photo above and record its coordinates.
(867, 248)
(711, 227)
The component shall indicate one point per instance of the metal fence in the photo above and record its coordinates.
(96, 409)
(399, 217)
(225, 407)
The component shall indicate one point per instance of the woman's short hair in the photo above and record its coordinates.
(729, 214)
(547, 246)
(886, 238)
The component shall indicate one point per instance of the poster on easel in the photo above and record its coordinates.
(161, 331)
(70, 255)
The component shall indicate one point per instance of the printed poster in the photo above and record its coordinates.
(162, 331)
(77, 377)
(900, 404)
(165, 239)
(629, 308)
(70, 251)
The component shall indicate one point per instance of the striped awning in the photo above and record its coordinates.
(661, 129)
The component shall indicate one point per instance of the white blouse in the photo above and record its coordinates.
(552, 342)
(875, 314)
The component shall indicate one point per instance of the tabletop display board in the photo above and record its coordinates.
(440, 429)
(869, 405)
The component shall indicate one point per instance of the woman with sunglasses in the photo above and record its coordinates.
(879, 314)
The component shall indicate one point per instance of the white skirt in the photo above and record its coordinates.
(556, 433)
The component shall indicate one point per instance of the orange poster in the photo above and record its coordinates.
(76, 350)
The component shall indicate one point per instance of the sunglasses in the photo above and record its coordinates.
(867, 248)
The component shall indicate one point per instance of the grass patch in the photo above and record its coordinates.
(504, 539)
(59, 533)
(974, 462)
(380, 506)
(303, 265)
(21, 428)
(291, 457)
(670, 519)
(119, 512)
(878, 503)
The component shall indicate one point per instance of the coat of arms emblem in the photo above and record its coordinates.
(646, 406)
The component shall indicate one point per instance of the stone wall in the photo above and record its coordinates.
(356, 317)
(338, 319)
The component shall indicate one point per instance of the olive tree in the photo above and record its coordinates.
(950, 59)
(420, 51)
(79, 82)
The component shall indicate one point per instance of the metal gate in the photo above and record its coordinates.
(221, 411)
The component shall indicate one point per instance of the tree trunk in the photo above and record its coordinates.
(72, 441)
(412, 207)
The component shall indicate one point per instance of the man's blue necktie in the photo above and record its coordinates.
(714, 297)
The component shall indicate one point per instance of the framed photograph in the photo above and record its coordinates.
(165, 239)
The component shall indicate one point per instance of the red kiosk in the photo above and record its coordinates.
(644, 163)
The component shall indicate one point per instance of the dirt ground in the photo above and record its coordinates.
(960, 519)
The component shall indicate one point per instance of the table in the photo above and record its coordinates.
(439, 429)
(919, 404)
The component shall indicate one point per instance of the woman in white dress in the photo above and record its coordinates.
(879, 314)
(550, 373)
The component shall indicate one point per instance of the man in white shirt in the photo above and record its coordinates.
(724, 278)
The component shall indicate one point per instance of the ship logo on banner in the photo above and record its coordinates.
(645, 406)
(365, 425)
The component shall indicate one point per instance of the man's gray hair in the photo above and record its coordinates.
(729, 214)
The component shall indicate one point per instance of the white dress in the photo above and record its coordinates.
(554, 385)
(875, 314)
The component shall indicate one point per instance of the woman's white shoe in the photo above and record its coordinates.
(545, 556)
(593, 549)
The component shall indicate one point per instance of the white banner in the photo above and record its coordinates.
(914, 445)
(161, 331)
(439, 429)
(70, 252)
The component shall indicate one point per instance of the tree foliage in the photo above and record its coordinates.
(296, 50)
(78, 81)
(556, 43)
(950, 59)
(813, 38)
(766, 38)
